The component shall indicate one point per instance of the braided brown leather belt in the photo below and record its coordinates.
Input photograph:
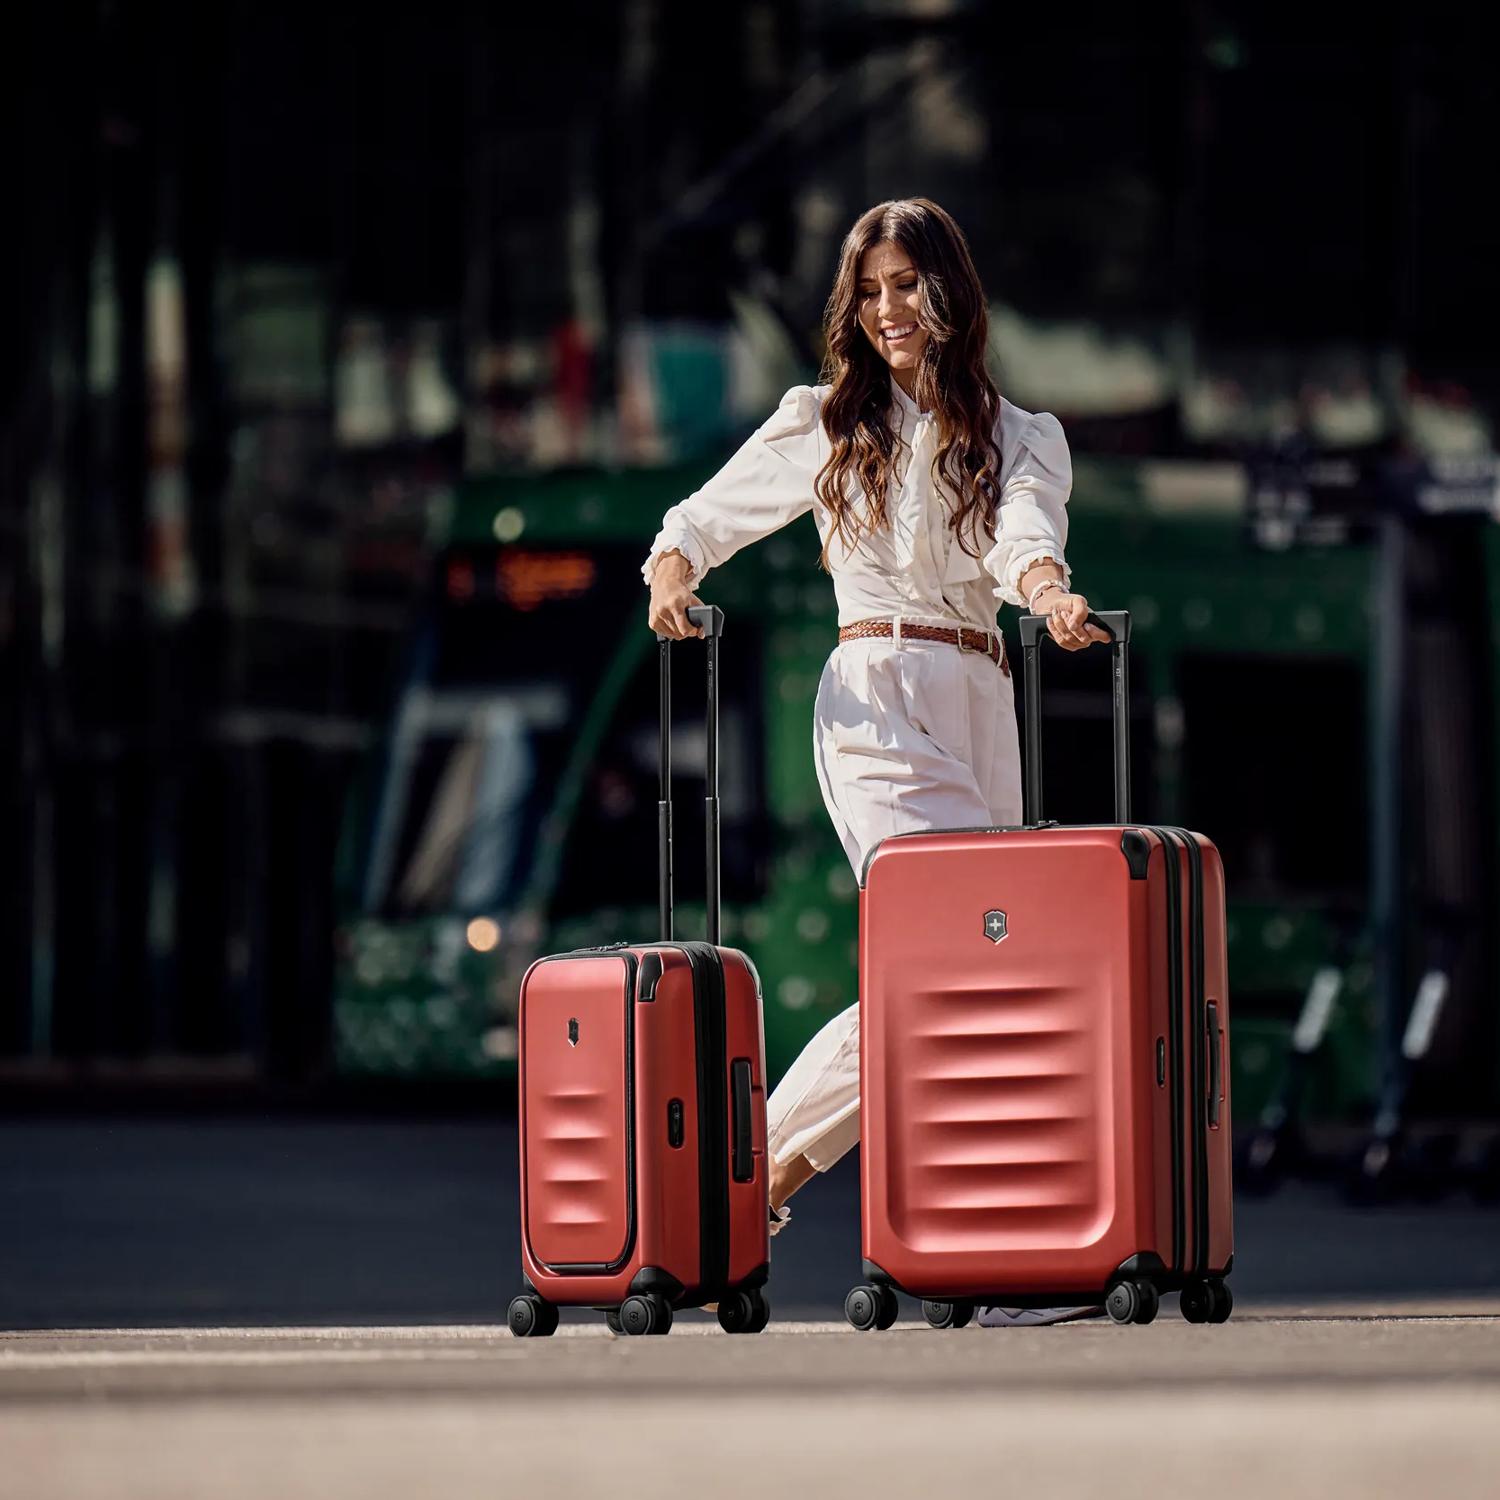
(988, 643)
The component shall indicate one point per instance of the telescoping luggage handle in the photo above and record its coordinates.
(1033, 631)
(711, 620)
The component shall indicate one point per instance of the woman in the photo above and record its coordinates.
(933, 497)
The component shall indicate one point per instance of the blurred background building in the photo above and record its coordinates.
(354, 354)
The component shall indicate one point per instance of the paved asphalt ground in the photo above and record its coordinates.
(209, 1308)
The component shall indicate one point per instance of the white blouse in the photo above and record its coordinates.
(914, 566)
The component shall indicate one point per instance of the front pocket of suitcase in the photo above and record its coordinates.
(577, 1070)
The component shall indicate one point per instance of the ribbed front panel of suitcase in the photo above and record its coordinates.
(999, 1033)
(576, 1073)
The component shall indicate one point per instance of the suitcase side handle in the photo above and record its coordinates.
(742, 1165)
(710, 619)
(1215, 1063)
(1116, 623)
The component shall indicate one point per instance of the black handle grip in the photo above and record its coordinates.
(1215, 1063)
(710, 619)
(1116, 623)
(742, 1168)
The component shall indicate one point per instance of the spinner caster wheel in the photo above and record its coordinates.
(1132, 1302)
(862, 1307)
(948, 1314)
(1150, 1302)
(762, 1319)
(744, 1312)
(1223, 1302)
(868, 1307)
(1199, 1301)
(641, 1314)
(531, 1318)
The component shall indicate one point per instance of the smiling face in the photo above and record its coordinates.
(887, 292)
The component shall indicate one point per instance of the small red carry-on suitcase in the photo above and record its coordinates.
(1044, 1020)
(643, 1110)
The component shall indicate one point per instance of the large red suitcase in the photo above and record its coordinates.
(1044, 1072)
(644, 1181)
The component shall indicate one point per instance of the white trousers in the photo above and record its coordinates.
(907, 739)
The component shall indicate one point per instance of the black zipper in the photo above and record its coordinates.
(713, 1110)
(1174, 1034)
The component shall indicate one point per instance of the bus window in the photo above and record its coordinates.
(517, 646)
(467, 778)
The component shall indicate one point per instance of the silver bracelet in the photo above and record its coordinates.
(1041, 588)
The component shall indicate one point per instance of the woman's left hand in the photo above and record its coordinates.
(1067, 620)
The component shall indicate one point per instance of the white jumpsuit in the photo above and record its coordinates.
(907, 735)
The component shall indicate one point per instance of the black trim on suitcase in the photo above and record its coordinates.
(1174, 1033)
(1190, 1046)
(630, 1189)
(1136, 848)
(1199, 1028)
(651, 972)
(758, 1277)
(713, 1111)
(654, 1279)
(1143, 1263)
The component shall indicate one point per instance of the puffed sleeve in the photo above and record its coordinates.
(1032, 521)
(766, 485)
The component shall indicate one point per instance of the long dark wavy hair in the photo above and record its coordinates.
(951, 379)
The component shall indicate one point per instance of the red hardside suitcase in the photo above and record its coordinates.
(1044, 1023)
(644, 1181)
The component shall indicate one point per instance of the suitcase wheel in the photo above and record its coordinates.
(868, 1307)
(948, 1314)
(1223, 1302)
(1206, 1302)
(1132, 1302)
(531, 1318)
(745, 1312)
(645, 1313)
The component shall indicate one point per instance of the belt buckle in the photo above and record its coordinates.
(959, 635)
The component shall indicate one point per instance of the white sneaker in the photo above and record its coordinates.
(1033, 1317)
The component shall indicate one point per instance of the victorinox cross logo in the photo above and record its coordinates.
(994, 925)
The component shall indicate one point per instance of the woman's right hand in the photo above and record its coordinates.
(671, 598)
